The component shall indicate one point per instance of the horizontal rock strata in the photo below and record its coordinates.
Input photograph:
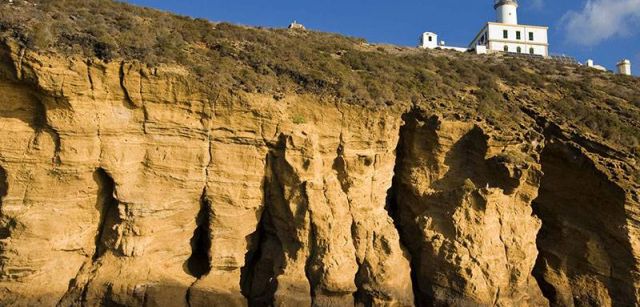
(119, 185)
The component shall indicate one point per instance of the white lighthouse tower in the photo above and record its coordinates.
(507, 11)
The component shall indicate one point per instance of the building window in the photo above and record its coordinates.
(430, 38)
(505, 34)
(531, 51)
(519, 50)
(506, 48)
(518, 37)
(530, 36)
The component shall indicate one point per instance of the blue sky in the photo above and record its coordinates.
(605, 30)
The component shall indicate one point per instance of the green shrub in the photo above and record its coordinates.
(298, 119)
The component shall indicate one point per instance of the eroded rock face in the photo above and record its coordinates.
(120, 185)
(465, 208)
(586, 254)
(325, 208)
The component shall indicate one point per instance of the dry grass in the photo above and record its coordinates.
(277, 61)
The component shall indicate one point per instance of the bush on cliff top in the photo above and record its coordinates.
(277, 61)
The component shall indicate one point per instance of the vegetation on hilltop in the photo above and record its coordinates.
(278, 61)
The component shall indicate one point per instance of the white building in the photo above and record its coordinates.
(591, 64)
(624, 67)
(506, 35)
(429, 40)
(296, 26)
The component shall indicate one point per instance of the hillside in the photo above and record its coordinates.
(149, 159)
(276, 62)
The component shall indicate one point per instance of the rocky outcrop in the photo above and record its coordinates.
(122, 185)
(463, 201)
(129, 154)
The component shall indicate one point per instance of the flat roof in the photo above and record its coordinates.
(518, 25)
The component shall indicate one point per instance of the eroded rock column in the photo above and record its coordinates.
(462, 202)
(238, 136)
(47, 215)
(151, 140)
(327, 239)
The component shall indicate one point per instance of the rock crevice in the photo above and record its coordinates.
(4, 225)
(199, 263)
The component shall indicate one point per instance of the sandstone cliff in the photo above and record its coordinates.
(129, 184)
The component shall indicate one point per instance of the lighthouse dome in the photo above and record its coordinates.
(498, 3)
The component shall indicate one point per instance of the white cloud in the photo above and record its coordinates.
(600, 20)
(536, 4)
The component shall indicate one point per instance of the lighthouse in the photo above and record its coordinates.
(508, 36)
(507, 11)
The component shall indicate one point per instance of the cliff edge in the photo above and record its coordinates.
(148, 159)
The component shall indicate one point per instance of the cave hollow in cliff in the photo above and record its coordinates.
(4, 186)
(199, 264)
(107, 206)
(584, 253)
(4, 233)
